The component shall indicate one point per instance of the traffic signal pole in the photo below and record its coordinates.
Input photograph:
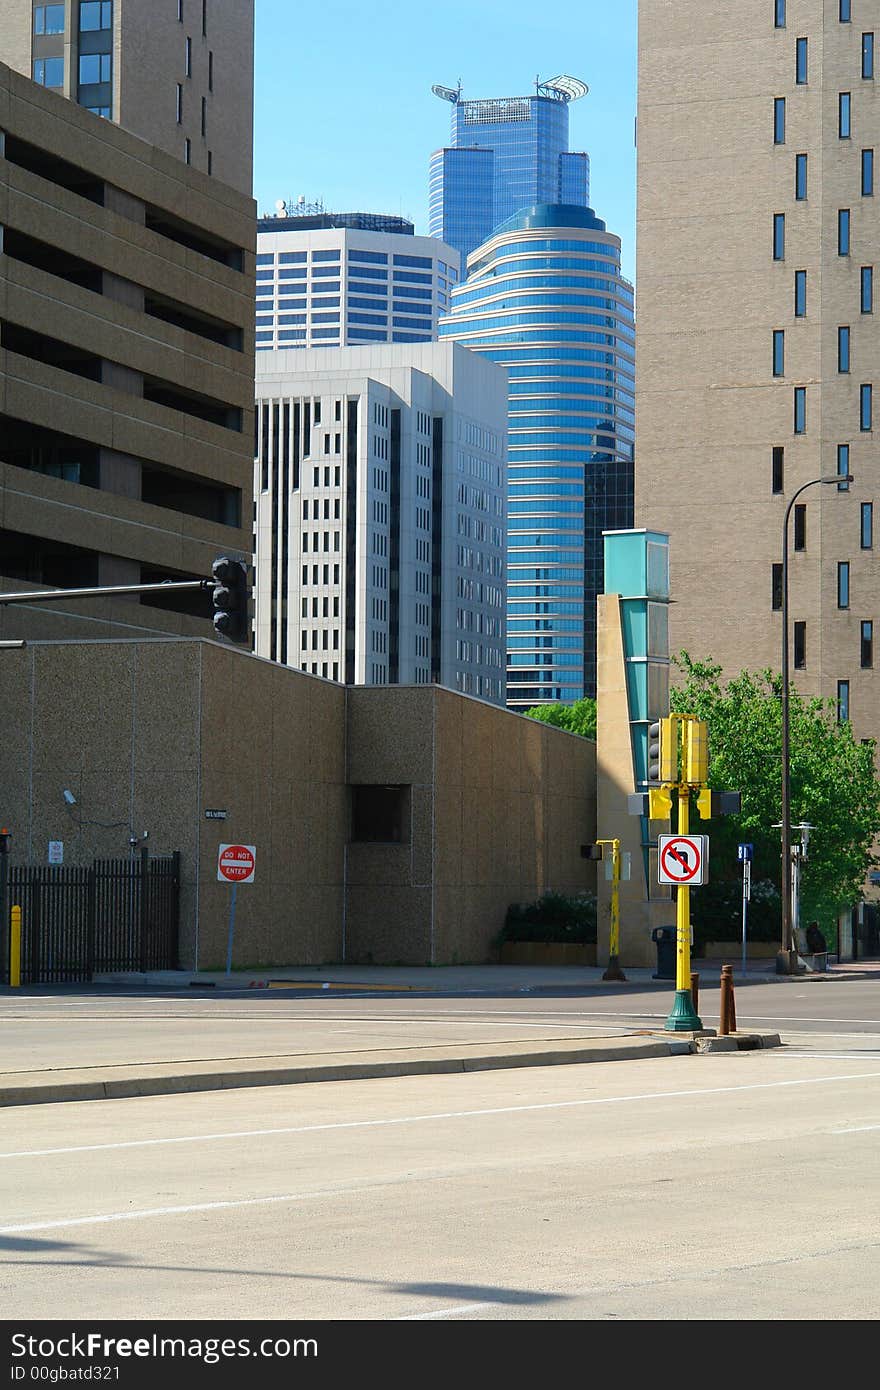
(683, 1017)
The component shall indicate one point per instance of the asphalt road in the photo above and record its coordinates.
(721, 1187)
(78, 1029)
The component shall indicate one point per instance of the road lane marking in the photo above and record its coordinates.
(434, 1115)
(858, 1129)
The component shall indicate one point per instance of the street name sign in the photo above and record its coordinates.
(682, 859)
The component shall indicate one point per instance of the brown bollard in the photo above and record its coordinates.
(731, 1012)
(725, 1022)
(695, 991)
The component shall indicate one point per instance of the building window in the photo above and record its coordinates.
(49, 19)
(779, 120)
(778, 236)
(180, 10)
(867, 173)
(187, 151)
(95, 14)
(211, 71)
(844, 11)
(867, 646)
(800, 294)
(179, 104)
(843, 224)
(843, 702)
(843, 466)
(866, 393)
(867, 289)
(778, 352)
(843, 349)
(204, 17)
(49, 72)
(867, 526)
(777, 469)
(779, 14)
(843, 584)
(800, 646)
(800, 409)
(776, 588)
(204, 117)
(378, 814)
(800, 526)
(800, 177)
(867, 55)
(94, 67)
(210, 162)
(844, 115)
(800, 62)
(189, 56)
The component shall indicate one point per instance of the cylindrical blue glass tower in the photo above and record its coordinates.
(544, 296)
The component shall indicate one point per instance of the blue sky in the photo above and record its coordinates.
(345, 112)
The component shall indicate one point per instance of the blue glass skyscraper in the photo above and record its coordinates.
(506, 153)
(544, 296)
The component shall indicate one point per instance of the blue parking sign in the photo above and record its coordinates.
(744, 852)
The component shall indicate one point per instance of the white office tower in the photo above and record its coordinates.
(381, 504)
(330, 279)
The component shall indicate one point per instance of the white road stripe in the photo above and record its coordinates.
(436, 1115)
(859, 1129)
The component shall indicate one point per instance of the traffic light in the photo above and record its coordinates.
(696, 752)
(591, 851)
(662, 751)
(231, 594)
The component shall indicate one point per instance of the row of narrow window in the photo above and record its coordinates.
(844, 12)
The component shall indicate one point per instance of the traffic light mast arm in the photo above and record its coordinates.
(44, 595)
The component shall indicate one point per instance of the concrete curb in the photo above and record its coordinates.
(738, 1042)
(153, 1084)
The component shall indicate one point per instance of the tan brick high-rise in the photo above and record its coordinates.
(178, 73)
(758, 358)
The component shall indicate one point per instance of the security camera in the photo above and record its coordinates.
(69, 797)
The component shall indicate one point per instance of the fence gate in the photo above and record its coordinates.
(114, 915)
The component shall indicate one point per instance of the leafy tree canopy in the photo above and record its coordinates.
(834, 783)
(578, 718)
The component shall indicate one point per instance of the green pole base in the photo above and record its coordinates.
(683, 1018)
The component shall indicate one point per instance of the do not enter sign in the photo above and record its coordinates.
(682, 859)
(236, 863)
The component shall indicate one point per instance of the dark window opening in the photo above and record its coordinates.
(49, 564)
(379, 814)
(191, 321)
(800, 526)
(191, 403)
(54, 170)
(45, 451)
(800, 646)
(40, 348)
(196, 603)
(776, 588)
(867, 646)
(194, 238)
(184, 492)
(52, 260)
(778, 469)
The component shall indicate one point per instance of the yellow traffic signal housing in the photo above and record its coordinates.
(704, 803)
(696, 752)
(663, 751)
(659, 803)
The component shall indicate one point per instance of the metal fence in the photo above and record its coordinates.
(114, 915)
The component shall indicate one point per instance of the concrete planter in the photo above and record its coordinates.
(732, 950)
(547, 953)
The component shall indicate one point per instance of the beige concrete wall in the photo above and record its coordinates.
(148, 735)
(709, 410)
(500, 806)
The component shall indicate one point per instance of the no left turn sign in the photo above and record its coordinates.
(682, 859)
(236, 863)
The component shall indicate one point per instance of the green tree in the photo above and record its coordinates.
(834, 783)
(579, 718)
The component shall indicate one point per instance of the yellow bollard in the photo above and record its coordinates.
(15, 947)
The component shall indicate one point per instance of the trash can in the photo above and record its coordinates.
(664, 939)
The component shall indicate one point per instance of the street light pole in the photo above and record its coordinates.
(784, 961)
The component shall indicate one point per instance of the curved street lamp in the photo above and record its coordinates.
(784, 961)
